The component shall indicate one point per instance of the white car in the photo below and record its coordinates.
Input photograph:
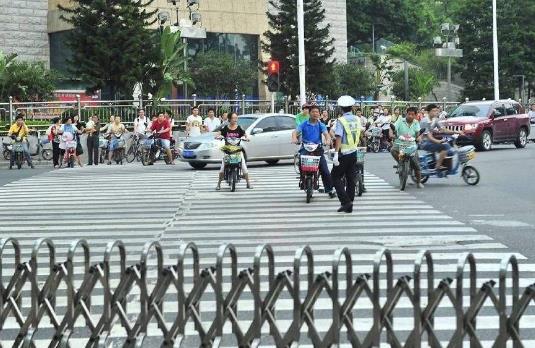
(270, 141)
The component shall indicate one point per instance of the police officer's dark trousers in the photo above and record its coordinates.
(346, 168)
(92, 149)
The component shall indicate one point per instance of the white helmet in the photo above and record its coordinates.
(346, 101)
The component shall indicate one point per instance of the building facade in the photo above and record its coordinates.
(33, 28)
(24, 30)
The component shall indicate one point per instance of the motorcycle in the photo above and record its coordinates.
(17, 149)
(103, 144)
(407, 150)
(309, 170)
(374, 138)
(119, 152)
(151, 150)
(70, 149)
(232, 160)
(42, 148)
(457, 160)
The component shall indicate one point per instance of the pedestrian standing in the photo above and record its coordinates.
(79, 149)
(211, 122)
(347, 134)
(531, 113)
(53, 136)
(396, 114)
(325, 119)
(224, 119)
(92, 129)
(194, 123)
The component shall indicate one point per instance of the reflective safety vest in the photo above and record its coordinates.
(352, 130)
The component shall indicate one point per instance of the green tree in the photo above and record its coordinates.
(218, 74)
(169, 68)
(421, 83)
(282, 45)
(25, 81)
(387, 16)
(353, 80)
(516, 51)
(111, 43)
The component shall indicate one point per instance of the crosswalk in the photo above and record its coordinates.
(173, 205)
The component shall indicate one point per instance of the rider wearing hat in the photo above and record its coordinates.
(347, 133)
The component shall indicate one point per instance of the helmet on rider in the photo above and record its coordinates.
(346, 102)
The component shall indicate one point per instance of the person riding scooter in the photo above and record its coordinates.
(312, 131)
(431, 134)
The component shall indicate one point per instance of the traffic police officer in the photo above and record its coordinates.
(347, 135)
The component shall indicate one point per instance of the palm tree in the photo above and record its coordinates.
(168, 69)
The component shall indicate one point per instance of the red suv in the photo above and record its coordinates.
(490, 122)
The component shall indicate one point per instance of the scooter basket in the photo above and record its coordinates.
(361, 153)
(17, 147)
(407, 147)
(233, 158)
(121, 143)
(376, 132)
(309, 163)
(70, 144)
(103, 143)
(466, 154)
(147, 143)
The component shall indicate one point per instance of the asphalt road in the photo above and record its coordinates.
(502, 205)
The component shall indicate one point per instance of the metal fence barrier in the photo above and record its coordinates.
(343, 290)
(180, 109)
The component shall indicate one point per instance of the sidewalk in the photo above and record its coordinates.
(38, 161)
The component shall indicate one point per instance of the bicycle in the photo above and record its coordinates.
(134, 151)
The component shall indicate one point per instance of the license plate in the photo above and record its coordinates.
(188, 154)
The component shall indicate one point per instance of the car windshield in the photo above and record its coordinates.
(243, 122)
(475, 110)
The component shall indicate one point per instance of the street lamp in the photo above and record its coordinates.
(163, 17)
(447, 44)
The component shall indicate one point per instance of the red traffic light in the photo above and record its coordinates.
(273, 67)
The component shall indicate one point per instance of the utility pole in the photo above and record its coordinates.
(495, 51)
(301, 44)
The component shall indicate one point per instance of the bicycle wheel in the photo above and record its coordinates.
(404, 167)
(308, 188)
(131, 154)
(46, 154)
(7, 155)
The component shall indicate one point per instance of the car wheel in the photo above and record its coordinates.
(197, 165)
(485, 143)
(522, 139)
(272, 162)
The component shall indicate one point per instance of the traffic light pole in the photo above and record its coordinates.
(301, 43)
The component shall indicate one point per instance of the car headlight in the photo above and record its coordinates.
(470, 127)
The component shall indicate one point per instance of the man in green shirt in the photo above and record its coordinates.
(303, 115)
(410, 127)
